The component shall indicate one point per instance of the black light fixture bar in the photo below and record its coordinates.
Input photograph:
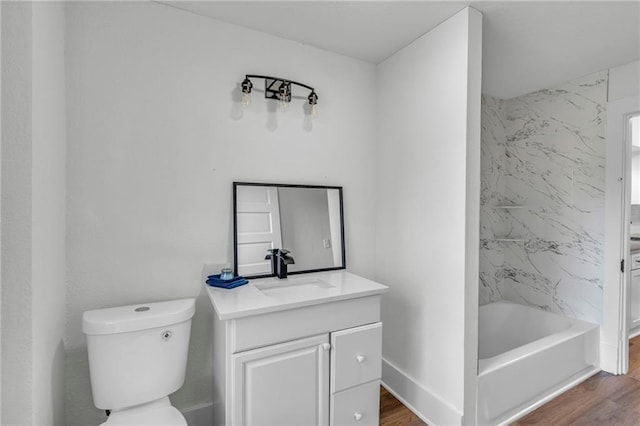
(277, 88)
(279, 79)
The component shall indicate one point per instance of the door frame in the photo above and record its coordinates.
(614, 331)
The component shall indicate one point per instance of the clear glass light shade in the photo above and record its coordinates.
(246, 100)
(313, 111)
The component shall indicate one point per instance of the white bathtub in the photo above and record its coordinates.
(528, 356)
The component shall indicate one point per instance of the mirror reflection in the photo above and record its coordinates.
(305, 220)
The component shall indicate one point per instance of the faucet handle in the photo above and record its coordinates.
(285, 256)
(272, 253)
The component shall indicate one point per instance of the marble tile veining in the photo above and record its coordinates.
(544, 154)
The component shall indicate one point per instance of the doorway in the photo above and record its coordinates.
(633, 132)
(614, 336)
(633, 295)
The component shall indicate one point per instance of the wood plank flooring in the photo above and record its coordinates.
(601, 400)
(393, 413)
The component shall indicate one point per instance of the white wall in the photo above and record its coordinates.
(0, 214)
(635, 188)
(33, 213)
(624, 81)
(428, 173)
(48, 212)
(304, 223)
(154, 148)
(16, 214)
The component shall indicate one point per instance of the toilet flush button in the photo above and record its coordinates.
(166, 335)
(142, 309)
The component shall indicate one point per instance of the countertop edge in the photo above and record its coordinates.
(376, 288)
(294, 305)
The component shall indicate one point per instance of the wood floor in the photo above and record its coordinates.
(393, 413)
(601, 400)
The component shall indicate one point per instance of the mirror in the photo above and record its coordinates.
(307, 220)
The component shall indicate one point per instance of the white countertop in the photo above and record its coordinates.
(301, 290)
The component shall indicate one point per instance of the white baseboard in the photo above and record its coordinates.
(199, 415)
(609, 358)
(424, 403)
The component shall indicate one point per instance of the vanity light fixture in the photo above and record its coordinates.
(279, 89)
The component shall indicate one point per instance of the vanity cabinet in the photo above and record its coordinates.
(311, 365)
(288, 383)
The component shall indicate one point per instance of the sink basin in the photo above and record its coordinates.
(293, 286)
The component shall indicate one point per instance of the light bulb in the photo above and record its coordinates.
(284, 93)
(313, 100)
(246, 100)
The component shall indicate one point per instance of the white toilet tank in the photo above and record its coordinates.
(137, 353)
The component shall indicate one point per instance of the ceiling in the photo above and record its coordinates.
(527, 46)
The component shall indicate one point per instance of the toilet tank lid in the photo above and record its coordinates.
(142, 316)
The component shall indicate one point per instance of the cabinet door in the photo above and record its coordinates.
(285, 384)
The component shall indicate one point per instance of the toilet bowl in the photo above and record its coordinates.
(137, 358)
(156, 413)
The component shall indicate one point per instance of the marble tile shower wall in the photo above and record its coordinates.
(542, 199)
(492, 194)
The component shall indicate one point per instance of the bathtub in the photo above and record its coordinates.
(528, 356)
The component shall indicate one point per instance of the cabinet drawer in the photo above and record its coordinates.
(356, 406)
(355, 356)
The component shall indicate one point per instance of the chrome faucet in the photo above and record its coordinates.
(280, 258)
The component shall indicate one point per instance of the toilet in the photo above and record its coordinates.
(137, 357)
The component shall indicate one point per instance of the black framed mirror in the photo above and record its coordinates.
(306, 220)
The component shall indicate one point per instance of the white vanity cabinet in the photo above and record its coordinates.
(288, 383)
(318, 364)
